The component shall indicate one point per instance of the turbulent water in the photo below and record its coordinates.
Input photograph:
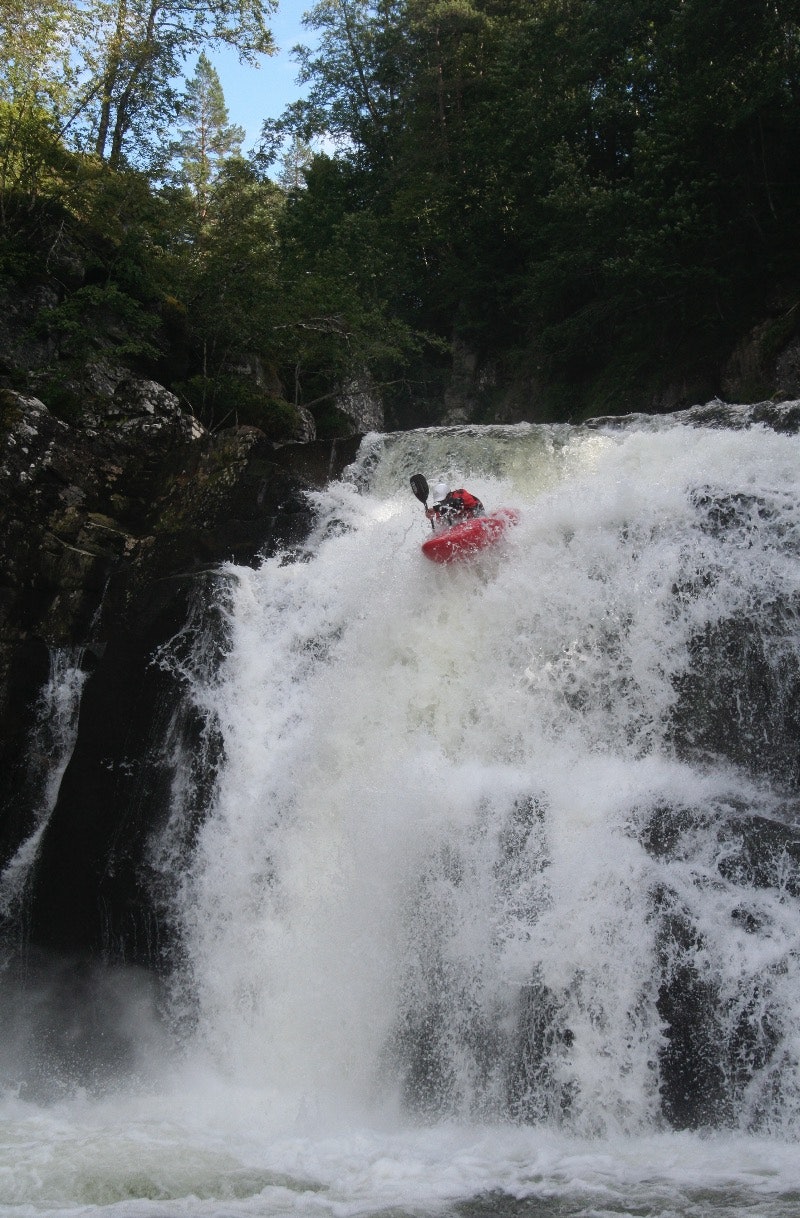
(494, 907)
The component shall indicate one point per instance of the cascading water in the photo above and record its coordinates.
(50, 747)
(494, 900)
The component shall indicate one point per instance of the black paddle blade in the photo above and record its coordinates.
(419, 486)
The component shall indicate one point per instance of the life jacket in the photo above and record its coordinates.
(464, 501)
(458, 505)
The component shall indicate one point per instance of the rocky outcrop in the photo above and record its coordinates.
(110, 527)
(766, 362)
(359, 401)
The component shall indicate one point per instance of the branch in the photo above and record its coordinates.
(323, 325)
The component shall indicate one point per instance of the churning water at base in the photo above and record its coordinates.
(495, 908)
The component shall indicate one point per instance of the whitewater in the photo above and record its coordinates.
(473, 922)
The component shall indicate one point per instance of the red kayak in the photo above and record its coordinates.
(466, 538)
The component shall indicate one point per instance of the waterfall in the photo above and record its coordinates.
(483, 878)
(517, 839)
(50, 746)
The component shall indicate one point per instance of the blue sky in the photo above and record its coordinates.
(253, 94)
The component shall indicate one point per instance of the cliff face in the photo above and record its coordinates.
(110, 528)
(763, 364)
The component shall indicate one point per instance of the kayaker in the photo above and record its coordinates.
(451, 507)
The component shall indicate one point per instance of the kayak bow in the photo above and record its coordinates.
(469, 536)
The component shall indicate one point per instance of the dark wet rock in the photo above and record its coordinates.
(777, 415)
(111, 530)
(740, 697)
(536, 1089)
(718, 1036)
(716, 1041)
(668, 828)
(720, 514)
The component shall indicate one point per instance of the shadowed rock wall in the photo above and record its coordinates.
(111, 532)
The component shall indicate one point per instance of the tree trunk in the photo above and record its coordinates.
(110, 77)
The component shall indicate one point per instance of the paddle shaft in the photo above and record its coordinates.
(419, 485)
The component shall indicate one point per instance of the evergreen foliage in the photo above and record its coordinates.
(207, 138)
(585, 199)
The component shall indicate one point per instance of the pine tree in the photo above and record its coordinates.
(207, 138)
(294, 163)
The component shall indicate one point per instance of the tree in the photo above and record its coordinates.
(35, 79)
(294, 163)
(139, 49)
(207, 138)
(36, 38)
(355, 76)
(227, 285)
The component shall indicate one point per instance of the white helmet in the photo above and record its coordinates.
(440, 492)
